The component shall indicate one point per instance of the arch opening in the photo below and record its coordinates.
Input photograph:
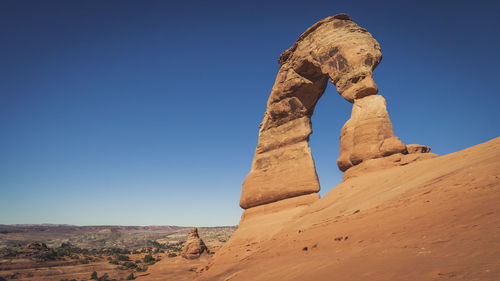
(334, 49)
(325, 141)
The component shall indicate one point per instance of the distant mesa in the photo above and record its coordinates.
(194, 246)
(334, 49)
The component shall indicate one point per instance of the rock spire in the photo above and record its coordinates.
(194, 246)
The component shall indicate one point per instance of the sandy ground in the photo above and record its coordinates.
(167, 269)
(49, 272)
(436, 219)
(176, 268)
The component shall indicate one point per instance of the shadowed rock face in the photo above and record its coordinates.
(334, 49)
(194, 246)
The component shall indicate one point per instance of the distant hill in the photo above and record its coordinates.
(67, 228)
(102, 236)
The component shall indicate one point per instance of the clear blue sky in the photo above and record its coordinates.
(147, 112)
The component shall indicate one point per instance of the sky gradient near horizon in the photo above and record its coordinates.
(147, 112)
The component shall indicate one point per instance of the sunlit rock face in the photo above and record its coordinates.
(334, 49)
(194, 246)
(368, 133)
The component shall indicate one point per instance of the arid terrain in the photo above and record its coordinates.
(430, 220)
(64, 252)
(102, 236)
(400, 212)
(436, 219)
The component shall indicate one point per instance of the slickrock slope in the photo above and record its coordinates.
(194, 246)
(401, 213)
(436, 219)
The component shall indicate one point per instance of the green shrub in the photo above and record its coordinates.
(122, 258)
(141, 269)
(104, 277)
(131, 276)
(171, 255)
(93, 276)
(148, 258)
(48, 255)
(8, 252)
(129, 264)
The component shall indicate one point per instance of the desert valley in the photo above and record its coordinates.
(64, 252)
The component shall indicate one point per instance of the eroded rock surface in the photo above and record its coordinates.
(379, 164)
(368, 134)
(334, 49)
(417, 148)
(194, 246)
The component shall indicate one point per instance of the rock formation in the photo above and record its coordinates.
(417, 148)
(194, 246)
(368, 134)
(288, 233)
(440, 215)
(334, 49)
(37, 246)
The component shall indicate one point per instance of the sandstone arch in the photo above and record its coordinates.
(334, 49)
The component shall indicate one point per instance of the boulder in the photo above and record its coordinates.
(417, 148)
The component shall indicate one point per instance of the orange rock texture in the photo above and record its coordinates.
(194, 246)
(334, 49)
(400, 213)
(434, 219)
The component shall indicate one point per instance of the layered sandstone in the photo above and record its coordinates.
(417, 148)
(334, 49)
(398, 205)
(368, 134)
(194, 246)
(435, 219)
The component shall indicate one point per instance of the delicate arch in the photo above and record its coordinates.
(334, 49)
